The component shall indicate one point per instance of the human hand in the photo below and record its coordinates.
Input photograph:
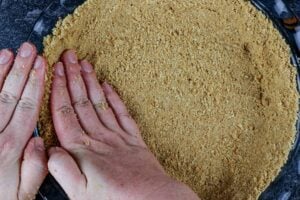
(103, 155)
(23, 165)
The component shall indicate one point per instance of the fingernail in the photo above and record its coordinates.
(5, 56)
(39, 144)
(71, 57)
(26, 50)
(59, 69)
(107, 88)
(86, 66)
(38, 62)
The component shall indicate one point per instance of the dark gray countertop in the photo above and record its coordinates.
(23, 20)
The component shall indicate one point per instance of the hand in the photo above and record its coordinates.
(103, 155)
(22, 87)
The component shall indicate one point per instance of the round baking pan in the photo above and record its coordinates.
(31, 20)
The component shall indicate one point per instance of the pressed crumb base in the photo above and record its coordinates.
(209, 82)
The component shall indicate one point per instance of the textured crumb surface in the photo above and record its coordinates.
(209, 83)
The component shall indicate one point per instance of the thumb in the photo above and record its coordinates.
(66, 172)
(33, 168)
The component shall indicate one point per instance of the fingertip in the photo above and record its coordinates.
(6, 56)
(59, 79)
(59, 85)
(27, 49)
(7, 52)
(69, 56)
(40, 68)
(68, 51)
(84, 62)
(37, 74)
(107, 88)
(40, 63)
(29, 44)
(86, 66)
(59, 69)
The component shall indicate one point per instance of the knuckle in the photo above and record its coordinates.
(26, 104)
(8, 98)
(65, 110)
(102, 106)
(82, 102)
(124, 114)
(16, 74)
(60, 85)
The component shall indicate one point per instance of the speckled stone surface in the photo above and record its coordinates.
(31, 20)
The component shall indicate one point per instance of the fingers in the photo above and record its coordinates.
(120, 110)
(26, 113)
(82, 105)
(33, 168)
(68, 130)
(6, 60)
(67, 127)
(15, 82)
(67, 173)
(97, 97)
(105, 113)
